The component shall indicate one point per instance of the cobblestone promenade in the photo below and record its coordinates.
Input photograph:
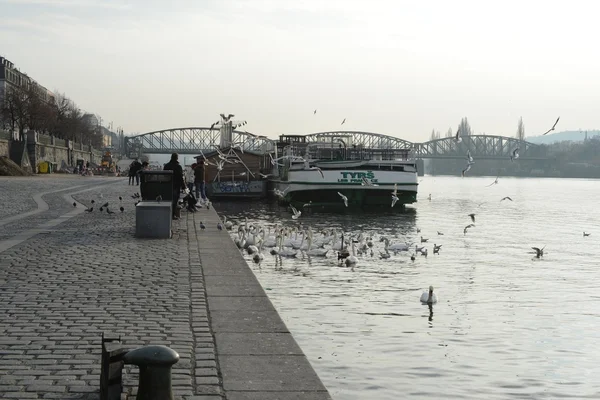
(67, 275)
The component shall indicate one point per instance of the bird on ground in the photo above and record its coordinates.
(208, 205)
(515, 154)
(219, 226)
(344, 198)
(105, 205)
(553, 126)
(74, 204)
(296, 213)
(412, 257)
(467, 227)
(436, 248)
(343, 121)
(506, 198)
(472, 215)
(101, 209)
(586, 234)
(539, 252)
(202, 226)
(423, 240)
(457, 137)
(495, 182)
(108, 211)
(93, 201)
(89, 209)
(428, 297)
(120, 198)
(121, 209)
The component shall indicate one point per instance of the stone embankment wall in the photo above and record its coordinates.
(61, 152)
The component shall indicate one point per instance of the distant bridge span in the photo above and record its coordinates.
(193, 140)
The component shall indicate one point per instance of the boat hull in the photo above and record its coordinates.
(310, 188)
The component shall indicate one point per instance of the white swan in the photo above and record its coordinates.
(428, 297)
(395, 246)
(258, 257)
(351, 260)
(228, 224)
(315, 252)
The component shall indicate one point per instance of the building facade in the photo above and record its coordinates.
(12, 77)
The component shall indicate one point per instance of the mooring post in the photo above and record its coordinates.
(155, 364)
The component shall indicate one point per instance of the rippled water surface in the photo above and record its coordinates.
(507, 325)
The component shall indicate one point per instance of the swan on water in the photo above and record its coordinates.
(428, 297)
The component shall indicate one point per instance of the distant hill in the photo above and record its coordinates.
(574, 136)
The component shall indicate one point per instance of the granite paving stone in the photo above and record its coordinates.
(63, 286)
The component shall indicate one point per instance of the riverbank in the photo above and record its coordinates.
(67, 275)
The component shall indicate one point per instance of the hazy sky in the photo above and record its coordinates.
(400, 68)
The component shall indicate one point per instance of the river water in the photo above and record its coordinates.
(506, 325)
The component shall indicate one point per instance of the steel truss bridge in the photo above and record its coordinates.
(194, 140)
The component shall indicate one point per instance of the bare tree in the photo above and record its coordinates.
(15, 110)
(521, 130)
(434, 135)
(449, 133)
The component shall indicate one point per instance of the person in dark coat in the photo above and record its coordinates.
(178, 181)
(199, 183)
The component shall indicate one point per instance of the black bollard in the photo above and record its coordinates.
(155, 364)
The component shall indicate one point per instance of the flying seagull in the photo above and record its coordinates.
(495, 182)
(586, 234)
(395, 195)
(553, 126)
(472, 217)
(515, 154)
(343, 121)
(344, 198)
(467, 227)
(436, 248)
(457, 137)
(506, 198)
(315, 112)
(296, 213)
(467, 169)
(367, 182)
(539, 252)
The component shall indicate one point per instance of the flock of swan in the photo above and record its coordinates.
(290, 241)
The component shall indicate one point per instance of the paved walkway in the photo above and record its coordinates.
(67, 275)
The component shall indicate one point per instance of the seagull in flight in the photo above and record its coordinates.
(367, 182)
(553, 126)
(343, 121)
(467, 169)
(296, 213)
(472, 217)
(436, 248)
(317, 169)
(315, 112)
(515, 154)
(586, 234)
(467, 227)
(539, 252)
(265, 175)
(457, 137)
(506, 198)
(395, 195)
(495, 182)
(344, 198)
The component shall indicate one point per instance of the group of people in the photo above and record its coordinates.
(193, 178)
(135, 168)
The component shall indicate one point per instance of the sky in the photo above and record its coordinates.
(401, 68)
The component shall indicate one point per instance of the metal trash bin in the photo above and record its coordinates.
(156, 183)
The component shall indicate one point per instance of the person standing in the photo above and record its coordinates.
(199, 172)
(131, 172)
(189, 177)
(138, 171)
(178, 180)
